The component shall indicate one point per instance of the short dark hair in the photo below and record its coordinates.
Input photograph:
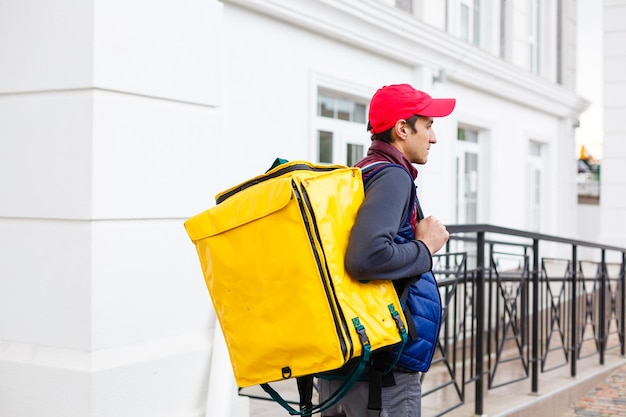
(386, 135)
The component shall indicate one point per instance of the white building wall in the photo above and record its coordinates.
(107, 109)
(433, 12)
(513, 106)
(612, 196)
(118, 120)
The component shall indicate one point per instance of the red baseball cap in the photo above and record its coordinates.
(401, 101)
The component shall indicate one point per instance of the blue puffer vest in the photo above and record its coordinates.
(421, 301)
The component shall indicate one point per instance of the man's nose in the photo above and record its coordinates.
(432, 138)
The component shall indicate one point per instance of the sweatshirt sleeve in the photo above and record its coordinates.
(372, 252)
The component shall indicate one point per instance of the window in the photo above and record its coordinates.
(404, 5)
(534, 148)
(467, 135)
(534, 36)
(340, 108)
(469, 21)
(467, 176)
(535, 181)
(325, 147)
(341, 133)
(355, 153)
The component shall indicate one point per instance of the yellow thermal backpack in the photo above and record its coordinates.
(272, 253)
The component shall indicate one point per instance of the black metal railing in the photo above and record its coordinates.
(519, 304)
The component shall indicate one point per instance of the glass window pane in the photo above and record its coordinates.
(534, 44)
(465, 22)
(355, 153)
(405, 5)
(344, 108)
(537, 187)
(325, 106)
(325, 147)
(534, 148)
(467, 135)
(359, 113)
(476, 17)
(471, 187)
(337, 106)
(460, 133)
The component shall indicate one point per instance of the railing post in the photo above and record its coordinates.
(602, 313)
(574, 312)
(480, 321)
(535, 335)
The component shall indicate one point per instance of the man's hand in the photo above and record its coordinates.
(432, 232)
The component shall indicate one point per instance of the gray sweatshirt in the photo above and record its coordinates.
(372, 252)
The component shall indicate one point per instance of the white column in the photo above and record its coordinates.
(563, 202)
(613, 181)
(109, 121)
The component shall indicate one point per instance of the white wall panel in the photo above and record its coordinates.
(45, 290)
(614, 16)
(154, 158)
(612, 200)
(45, 155)
(613, 196)
(613, 43)
(613, 140)
(45, 45)
(162, 48)
(611, 234)
(35, 387)
(615, 97)
(161, 378)
(613, 70)
(147, 283)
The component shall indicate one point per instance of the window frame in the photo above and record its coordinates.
(344, 132)
(473, 21)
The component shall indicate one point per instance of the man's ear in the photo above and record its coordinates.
(400, 129)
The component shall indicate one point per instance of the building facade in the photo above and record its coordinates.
(512, 72)
(119, 120)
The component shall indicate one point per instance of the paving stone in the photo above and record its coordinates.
(606, 400)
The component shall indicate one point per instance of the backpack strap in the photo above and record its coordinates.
(380, 376)
(305, 389)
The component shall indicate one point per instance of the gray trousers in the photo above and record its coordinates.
(401, 400)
